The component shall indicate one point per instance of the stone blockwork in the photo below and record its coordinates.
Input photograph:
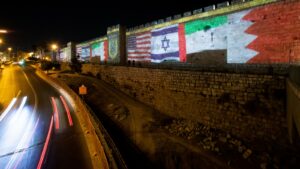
(250, 106)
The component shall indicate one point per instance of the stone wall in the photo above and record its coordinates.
(251, 106)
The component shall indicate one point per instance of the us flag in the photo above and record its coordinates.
(139, 47)
(78, 51)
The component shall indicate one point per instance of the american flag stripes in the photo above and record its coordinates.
(139, 47)
(78, 51)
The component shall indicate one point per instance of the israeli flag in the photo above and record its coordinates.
(165, 44)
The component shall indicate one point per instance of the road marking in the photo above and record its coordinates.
(11, 104)
(45, 145)
(56, 115)
(34, 92)
(67, 111)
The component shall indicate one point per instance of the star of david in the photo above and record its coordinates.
(165, 43)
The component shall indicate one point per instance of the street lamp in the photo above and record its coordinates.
(3, 31)
(9, 51)
(54, 47)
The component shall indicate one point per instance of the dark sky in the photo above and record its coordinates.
(44, 22)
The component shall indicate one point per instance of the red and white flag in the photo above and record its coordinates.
(139, 47)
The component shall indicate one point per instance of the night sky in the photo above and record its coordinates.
(44, 22)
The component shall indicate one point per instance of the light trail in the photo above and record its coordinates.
(19, 110)
(11, 104)
(67, 111)
(45, 145)
(27, 143)
(56, 116)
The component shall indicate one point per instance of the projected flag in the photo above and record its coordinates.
(168, 43)
(103, 50)
(139, 47)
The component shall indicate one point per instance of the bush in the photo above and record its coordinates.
(56, 65)
(47, 65)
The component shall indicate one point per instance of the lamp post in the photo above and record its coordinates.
(9, 52)
(54, 48)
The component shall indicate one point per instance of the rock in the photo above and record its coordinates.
(212, 145)
(238, 143)
(122, 117)
(116, 116)
(223, 139)
(263, 165)
(247, 153)
(229, 162)
(241, 149)
(110, 107)
(228, 136)
(121, 113)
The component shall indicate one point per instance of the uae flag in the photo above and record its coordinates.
(168, 44)
(95, 49)
(103, 50)
(208, 34)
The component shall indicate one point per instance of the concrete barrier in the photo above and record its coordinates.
(293, 109)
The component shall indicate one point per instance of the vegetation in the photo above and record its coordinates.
(48, 65)
(75, 65)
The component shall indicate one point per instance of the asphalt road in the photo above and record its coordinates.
(38, 127)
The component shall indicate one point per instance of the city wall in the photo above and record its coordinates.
(247, 105)
(251, 32)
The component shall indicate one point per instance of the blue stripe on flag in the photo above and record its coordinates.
(165, 55)
(165, 31)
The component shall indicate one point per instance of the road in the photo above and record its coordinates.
(38, 127)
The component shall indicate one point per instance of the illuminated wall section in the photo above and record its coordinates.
(95, 49)
(139, 47)
(277, 29)
(85, 53)
(63, 55)
(264, 34)
(113, 47)
(100, 49)
(165, 44)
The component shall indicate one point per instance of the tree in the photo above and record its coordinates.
(75, 64)
(46, 65)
